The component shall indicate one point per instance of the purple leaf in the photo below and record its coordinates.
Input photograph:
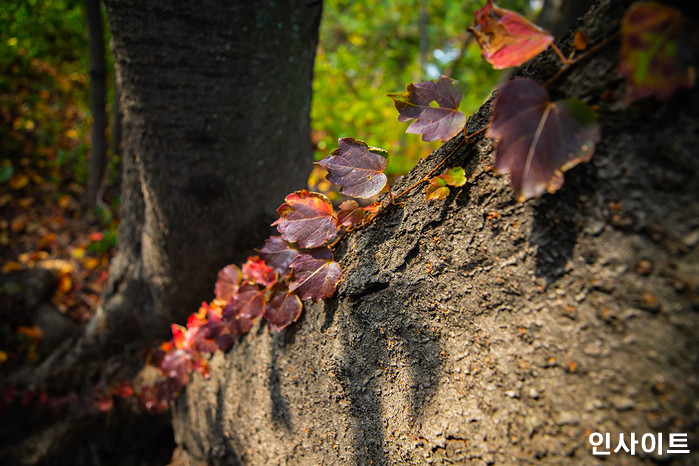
(306, 219)
(357, 168)
(278, 254)
(441, 122)
(282, 310)
(315, 275)
(248, 303)
(539, 139)
(177, 364)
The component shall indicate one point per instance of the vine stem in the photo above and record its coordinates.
(427, 177)
(561, 57)
(393, 198)
(569, 63)
(566, 65)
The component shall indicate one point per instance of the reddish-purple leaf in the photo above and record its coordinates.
(315, 275)
(278, 254)
(350, 214)
(357, 168)
(441, 122)
(204, 338)
(228, 282)
(232, 325)
(256, 271)
(539, 139)
(248, 302)
(506, 38)
(177, 364)
(656, 55)
(282, 310)
(306, 219)
(436, 189)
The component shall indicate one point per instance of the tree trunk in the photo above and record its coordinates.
(98, 89)
(216, 101)
(557, 16)
(482, 329)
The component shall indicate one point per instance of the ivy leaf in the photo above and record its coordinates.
(507, 39)
(177, 364)
(282, 310)
(441, 122)
(232, 324)
(539, 139)
(278, 254)
(357, 168)
(437, 189)
(256, 271)
(315, 274)
(656, 55)
(228, 282)
(350, 214)
(248, 303)
(306, 219)
(454, 177)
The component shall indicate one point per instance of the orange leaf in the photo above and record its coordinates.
(11, 266)
(65, 284)
(33, 333)
(19, 181)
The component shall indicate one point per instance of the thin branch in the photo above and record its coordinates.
(562, 57)
(580, 58)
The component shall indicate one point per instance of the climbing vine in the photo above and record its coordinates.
(536, 141)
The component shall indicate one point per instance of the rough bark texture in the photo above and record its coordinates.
(480, 329)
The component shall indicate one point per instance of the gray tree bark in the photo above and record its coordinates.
(479, 329)
(216, 101)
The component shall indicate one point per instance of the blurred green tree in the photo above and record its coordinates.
(370, 48)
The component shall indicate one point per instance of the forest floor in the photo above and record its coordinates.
(53, 255)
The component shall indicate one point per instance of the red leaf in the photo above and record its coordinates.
(278, 254)
(656, 55)
(441, 122)
(315, 274)
(228, 282)
(506, 38)
(282, 310)
(539, 139)
(256, 271)
(357, 168)
(306, 219)
(178, 335)
(350, 214)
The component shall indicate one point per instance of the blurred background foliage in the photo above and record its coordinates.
(370, 48)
